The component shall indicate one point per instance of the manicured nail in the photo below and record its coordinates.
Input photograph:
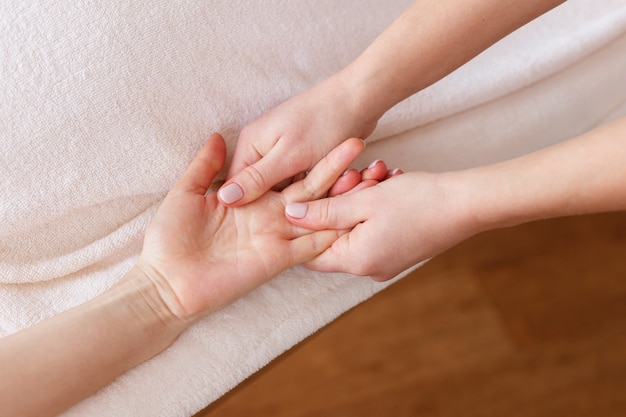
(231, 193)
(373, 164)
(296, 210)
(346, 172)
(396, 171)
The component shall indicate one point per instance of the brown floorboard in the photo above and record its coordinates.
(527, 321)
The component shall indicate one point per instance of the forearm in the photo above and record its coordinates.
(52, 365)
(583, 175)
(428, 41)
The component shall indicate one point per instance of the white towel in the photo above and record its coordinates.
(102, 106)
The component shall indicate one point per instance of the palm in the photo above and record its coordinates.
(208, 255)
(242, 248)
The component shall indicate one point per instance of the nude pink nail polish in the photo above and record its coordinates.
(231, 193)
(296, 210)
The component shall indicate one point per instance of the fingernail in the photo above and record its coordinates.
(231, 193)
(346, 172)
(396, 171)
(296, 210)
(373, 164)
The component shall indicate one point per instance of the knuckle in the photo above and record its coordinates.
(325, 212)
(248, 133)
(333, 163)
(309, 190)
(255, 177)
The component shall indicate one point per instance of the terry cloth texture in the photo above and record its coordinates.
(104, 103)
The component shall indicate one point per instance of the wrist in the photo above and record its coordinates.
(72, 355)
(464, 204)
(362, 99)
(510, 193)
(151, 302)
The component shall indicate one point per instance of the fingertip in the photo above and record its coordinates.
(350, 178)
(216, 136)
(216, 143)
(394, 173)
(237, 192)
(360, 142)
(205, 166)
(357, 145)
(296, 210)
(230, 193)
(346, 152)
(377, 171)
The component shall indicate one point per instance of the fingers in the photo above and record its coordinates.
(376, 171)
(394, 173)
(339, 213)
(345, 254)
(307, 247)
(254, 180)
(252, 176)
(362, 185)
(332, 259)
(325, 172)
(204, 167)
(348, 180)
(352, 180)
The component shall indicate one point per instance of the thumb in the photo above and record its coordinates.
(204, 167)
(256, 179)
(338, 213)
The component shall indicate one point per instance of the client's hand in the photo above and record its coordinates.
(202, 255)
(198, 256)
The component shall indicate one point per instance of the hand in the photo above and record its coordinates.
(353, 180)
(393, 225)
(202, 255)
(291, 138)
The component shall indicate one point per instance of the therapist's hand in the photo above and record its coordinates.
(291, 139)
(393, 225)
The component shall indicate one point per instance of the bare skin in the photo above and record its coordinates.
(418, 215)
(428, 41)
(198, 256)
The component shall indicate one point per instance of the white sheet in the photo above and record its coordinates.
(104, 103)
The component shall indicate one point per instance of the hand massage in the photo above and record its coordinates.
(136, 255)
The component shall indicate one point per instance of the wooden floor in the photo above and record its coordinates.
(529, 321)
